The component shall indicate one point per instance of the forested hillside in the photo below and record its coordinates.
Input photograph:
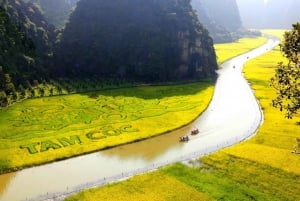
(17, 59)
(218, 32)
(222, 19)
(33, 23)
(56, 11)
(104, 41)
(225, 13)
(148, 40)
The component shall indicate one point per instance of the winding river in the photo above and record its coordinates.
(232, 116)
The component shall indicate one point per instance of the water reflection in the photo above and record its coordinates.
(150, 149)
(5, 180)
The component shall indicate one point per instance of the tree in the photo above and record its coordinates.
(9, 86)
(286, 80)
(3, 99)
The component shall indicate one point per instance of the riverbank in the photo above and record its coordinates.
(48, 129)
(262, 168)
(113, 164)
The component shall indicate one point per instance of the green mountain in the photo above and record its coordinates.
(144, 40)
(56, 11)
(17, 58)
(33, 23)
(218, 32)
(222, 19)
(224, 13)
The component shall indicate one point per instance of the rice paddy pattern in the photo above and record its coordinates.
(45, 117)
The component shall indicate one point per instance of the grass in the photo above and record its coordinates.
(154, 186)
(262, 168)
(46, 129)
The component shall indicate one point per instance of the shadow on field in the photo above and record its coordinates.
(153, 92)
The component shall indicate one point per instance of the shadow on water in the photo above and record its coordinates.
(154, 91)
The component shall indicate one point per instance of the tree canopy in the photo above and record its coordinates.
(145, 40)
(287, 77)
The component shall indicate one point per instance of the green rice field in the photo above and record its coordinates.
(263, 168)
(46, 129)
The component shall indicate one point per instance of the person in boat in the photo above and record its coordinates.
(184, 138)
(195, 131)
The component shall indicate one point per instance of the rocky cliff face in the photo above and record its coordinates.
(221, 18)
(147, 40)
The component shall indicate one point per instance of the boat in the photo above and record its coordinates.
(195, 131)
(184, 139)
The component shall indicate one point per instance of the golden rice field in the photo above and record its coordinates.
(228, 50)
(154, 186)
(277, 136)
(46, 129)
(262, 168)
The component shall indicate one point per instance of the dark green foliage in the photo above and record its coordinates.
(287, 77)
(4, 164)
(32, 22)
(134, 39)
(17, 56)
(106, 44)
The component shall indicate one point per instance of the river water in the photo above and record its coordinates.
(233, 116)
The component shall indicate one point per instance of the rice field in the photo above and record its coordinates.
(262, 168)
(228, 50)
(47, 129)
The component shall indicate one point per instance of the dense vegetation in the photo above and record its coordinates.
(111, 43)
(17, 59)
(287, 77)
(138, 40)
(26, 46)
(32, 22)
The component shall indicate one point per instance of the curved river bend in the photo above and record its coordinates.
(232, 116)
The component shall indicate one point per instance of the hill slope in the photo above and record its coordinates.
(141, 40)
(56, 11)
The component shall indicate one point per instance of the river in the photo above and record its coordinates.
(232, 116)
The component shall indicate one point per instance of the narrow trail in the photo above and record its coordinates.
(233, 116)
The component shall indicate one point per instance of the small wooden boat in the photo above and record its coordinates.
(195, 131)
(184, 139)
